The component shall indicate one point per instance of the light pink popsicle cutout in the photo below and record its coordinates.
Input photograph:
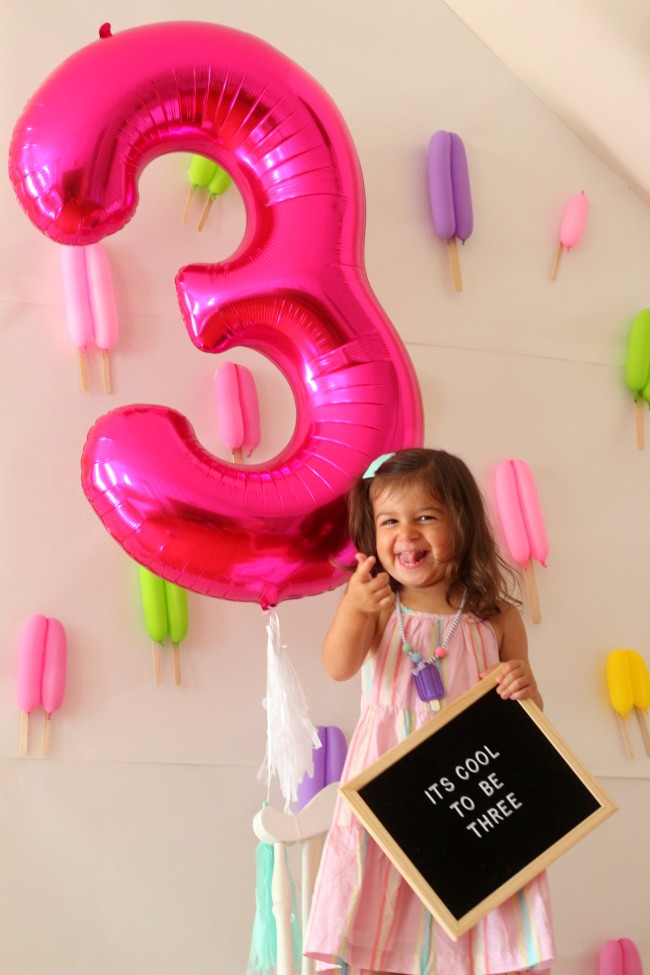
(102, 303)
(238, 412)
(91, 312)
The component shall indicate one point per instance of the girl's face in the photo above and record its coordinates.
(414, 538)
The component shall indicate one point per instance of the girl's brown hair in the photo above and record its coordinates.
(476, 564)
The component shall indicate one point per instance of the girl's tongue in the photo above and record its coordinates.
(411, 558)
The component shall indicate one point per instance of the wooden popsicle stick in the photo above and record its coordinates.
(238, 455)
(45, 738)
(205, 213)
(83, 369)
(24, 732)
(622, 723)
(556, 262)
(454, 263)
(106, 370)
(188, 203)
(531, 590)
(177, 663)
(155, 654)
(644, 729)
(638, 416)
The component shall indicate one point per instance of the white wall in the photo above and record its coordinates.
(129, 849)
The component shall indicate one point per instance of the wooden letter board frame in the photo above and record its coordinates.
(465, 847)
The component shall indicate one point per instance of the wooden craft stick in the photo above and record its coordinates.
(155, 654)
(106, 370)
(638, 416)
(556, 262)
(188, 203)
(622, 723)
(24, 732)
(454, 263)
(531, 590)
(45, 738)
(205, 213)
(177, 663)
(644, 729)
(83, 369)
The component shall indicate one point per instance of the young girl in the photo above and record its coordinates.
(429, 581)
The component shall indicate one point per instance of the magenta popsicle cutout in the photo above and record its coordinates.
(572, 227)
(522, 522)
(450, 195)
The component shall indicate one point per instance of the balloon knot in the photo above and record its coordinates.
(105, 31)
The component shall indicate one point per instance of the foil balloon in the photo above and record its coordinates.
(295, 290)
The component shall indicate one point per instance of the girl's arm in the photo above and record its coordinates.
(516, 679)
(355, 628)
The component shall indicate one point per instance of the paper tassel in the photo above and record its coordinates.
(263, 957)
(264, 945)
(290, 735)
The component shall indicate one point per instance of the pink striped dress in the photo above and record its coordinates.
(364, 915)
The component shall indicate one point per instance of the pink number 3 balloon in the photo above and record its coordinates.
(295, 290)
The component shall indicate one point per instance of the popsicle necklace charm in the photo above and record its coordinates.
(426, 673)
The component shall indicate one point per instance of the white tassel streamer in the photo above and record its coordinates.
(290, 735)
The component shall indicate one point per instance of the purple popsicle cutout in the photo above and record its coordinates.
(449, 189)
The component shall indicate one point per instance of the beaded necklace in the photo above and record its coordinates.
(426, 673)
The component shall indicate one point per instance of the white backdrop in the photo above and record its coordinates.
(129, 849)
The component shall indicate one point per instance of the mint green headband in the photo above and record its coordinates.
(376, 464)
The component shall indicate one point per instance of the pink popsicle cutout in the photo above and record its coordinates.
(522, 522)
(619, 957)
(238, 413)
(450, 195)
(54, 675)
(29, 672)
(572, 226)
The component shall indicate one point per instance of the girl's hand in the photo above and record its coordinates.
(515, 680)
(367, 593)
(357, 622)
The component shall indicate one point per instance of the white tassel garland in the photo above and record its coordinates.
(290, 735)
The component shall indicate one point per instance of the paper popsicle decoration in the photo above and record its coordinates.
(54, 676)
(165, 614)
(41, 673)
(523, 525)
(628, 684)
(217, 186)
(200, 173)
(620, 957)
(91, 312)
(450, 195)
(328, 763)
(30, 672)
(637, 369)
(102, 303)
(204, 173)
(238, 411)
(572, 227)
